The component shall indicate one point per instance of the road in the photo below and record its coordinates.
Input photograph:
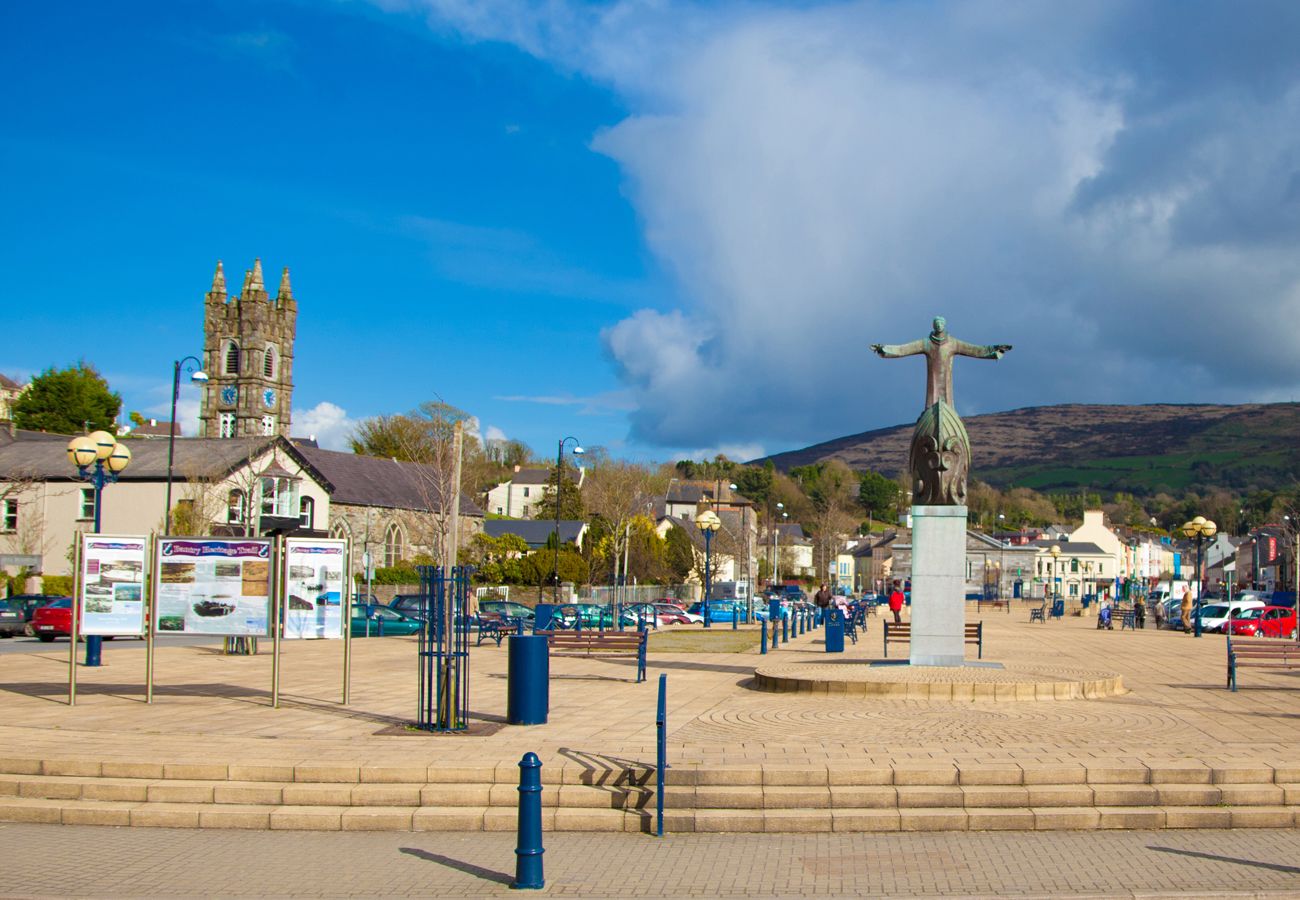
(60, 645)
(55, 860)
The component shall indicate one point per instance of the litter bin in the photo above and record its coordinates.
(543, 614)
(834, 631)
(528, 680)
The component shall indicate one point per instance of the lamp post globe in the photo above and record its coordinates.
(1056, 571)
(99, 459)
(708, 522)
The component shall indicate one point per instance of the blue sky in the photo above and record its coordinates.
(666, 228)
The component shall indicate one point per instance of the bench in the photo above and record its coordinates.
(492, 626)
(901, 633)
(599, 643)
(1261, 654)
(1038, 613)
(995, 603)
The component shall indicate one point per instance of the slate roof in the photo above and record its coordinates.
(535, 532)
(531, 476)
(156, 429)
(9, 384)
(377, 481)
(39, 455)
(792, 532)
(1070, 548)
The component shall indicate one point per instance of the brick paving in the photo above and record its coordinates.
(70, 860)
(214, 709)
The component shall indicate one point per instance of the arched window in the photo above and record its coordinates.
(270, 361)
(230, 359)
(392, 546)
(306, 511)
(1074, 565)
(340, 529)
(235, 507)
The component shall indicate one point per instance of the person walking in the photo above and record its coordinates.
(1187, 610)
(896, 600)
(823, 600)
(1159, 611)
(1139, 613)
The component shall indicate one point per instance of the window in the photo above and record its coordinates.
(339, 529)
(270, 361)
(392, 546)
(1074, 565)
(235, 507)
(227, 425)
(1101, 568)
(230, 359)
(1074, 589)
(279, 497)
(9, 516)
(87, 504)
(306, 511)
(268, 425)
(525, 492)
(500, 511)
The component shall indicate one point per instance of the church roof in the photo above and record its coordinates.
(535, 532)
(378, 481)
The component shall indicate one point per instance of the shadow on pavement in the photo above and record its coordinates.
(467, 868)
(1254, 863)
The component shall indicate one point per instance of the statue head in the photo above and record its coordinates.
(939, 325)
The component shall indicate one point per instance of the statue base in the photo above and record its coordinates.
(938, 585)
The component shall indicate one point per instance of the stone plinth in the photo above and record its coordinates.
(938, 585)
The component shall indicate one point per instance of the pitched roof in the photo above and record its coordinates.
(9, 384)
(1077, 548)
(154, 428)
(535, 532)
(377, 481)
(39, 455)
(531, 476)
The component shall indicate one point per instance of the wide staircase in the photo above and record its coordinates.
(601, 795)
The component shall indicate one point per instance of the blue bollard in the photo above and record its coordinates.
(528, 863)
(785, 629)
(379, 622)
(762, 638)
(94, 650)
(528, 680)
(735, 617)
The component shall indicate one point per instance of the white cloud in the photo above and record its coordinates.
(494, 434)
(1112, 188)
(327, 422)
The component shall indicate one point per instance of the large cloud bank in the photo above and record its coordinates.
(1114, 188)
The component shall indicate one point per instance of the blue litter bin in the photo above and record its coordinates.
(834, 631)
(528, 680)
(542, 617)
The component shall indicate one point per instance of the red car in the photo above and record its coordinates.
(1271, 621)
(53, 620)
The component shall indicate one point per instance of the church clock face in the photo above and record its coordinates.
(268, 398)
(229, 395)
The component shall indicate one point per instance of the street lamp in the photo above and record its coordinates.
(99, 459)
(559, 483)
(708, 522)
(1056, 573)
(749, 581)
(198, 376)
(1199, 528)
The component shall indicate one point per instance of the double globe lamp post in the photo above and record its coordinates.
(559, 484)
(99, 459)
(708, 523)
(1199, 529)
(200, 377)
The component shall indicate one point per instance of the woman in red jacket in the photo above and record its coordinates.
(896, 600)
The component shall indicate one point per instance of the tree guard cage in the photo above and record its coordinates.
(444, 649)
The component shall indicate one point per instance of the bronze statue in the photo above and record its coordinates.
(940, 454)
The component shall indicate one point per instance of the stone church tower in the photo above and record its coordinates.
(248, 356)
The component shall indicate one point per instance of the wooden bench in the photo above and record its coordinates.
(1261, 654)
(599, 643)
(492, 626)
(996, 604)
(901, 633)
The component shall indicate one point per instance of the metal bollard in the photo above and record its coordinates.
(785, 629)
(379, 623)
(762, 640)
(94, 649)
(661, 753)
(528, 863)
(735, 618)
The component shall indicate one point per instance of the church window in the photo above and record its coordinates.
(230, 360)
(392, 546)
(279, 497)
(306, 511)
(227, 425)
(235, 507)
(268, 425)
(269, 361)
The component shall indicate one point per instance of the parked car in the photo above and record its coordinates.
(32, 602)
(591, 615)
(52, 620)
(1270, 621)
(680, 606)
(662, 614)
(12, 620)
(720, 611)
(406, 604)
(1215, 616)
(394, 623)
(508, 609)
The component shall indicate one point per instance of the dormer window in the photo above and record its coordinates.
(270, 362)
(230, 359)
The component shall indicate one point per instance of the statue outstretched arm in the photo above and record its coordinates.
(980, 351)
(893, 351)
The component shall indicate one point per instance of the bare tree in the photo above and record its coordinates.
(618, 491)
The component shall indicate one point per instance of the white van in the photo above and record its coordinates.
(1215, 616)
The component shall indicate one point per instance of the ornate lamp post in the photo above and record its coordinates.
(99, 459)
(749, 580)
(1199, 528)
(1056, 573)
(198, 376)
(559, 484)
(708, 522)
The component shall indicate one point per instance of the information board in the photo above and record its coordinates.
(213, 586)
(112, 584)
(314, 588)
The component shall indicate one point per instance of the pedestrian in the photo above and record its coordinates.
(1139, 613)
(896, 600)
(1159, 609)
(822, 598)
(1187, 610)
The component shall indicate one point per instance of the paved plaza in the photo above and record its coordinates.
(47, 860)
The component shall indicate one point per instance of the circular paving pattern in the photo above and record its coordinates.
(1026, 681)
(809, 719)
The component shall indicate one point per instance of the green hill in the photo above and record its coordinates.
(1138, 449)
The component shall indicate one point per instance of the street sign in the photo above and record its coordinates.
(26, 560)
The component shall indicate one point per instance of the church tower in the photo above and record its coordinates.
(248, 356)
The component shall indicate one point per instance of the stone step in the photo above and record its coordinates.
(466, 818)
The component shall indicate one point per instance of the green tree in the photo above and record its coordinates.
(679, 555)
(571, 504)
(878, 494)
(65, 401)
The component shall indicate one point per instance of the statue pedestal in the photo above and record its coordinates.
(938, 585)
